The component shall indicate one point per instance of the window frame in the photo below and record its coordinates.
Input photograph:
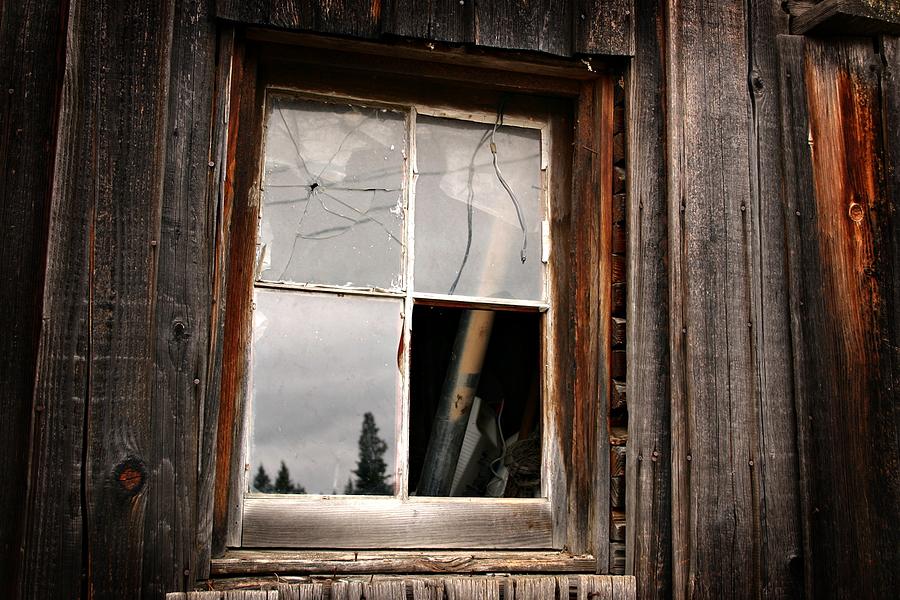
(573, 398)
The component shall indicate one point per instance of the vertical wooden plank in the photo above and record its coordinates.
(369, 590)
(648, 470)
(592, 210)
(437, 20)
(219, 217)
(472, 588)
(843, 280)
(716, 547)
(242, 187)
(774, 476)
(306, 591)
(427, 589)
(604, 27)
(54, 513)
(531, 588)
(186, 248)
(128, 47)
(32, 46)
(543, 25)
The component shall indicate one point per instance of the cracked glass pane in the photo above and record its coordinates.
(326, 389)
(332, 210)
(471, 232)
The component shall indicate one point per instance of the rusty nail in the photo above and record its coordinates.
(196, 382)
(856, 212)
(212, 164)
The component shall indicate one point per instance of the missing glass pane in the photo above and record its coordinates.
(478, 212)
(325, 386)
(499, 453)
(333, 208)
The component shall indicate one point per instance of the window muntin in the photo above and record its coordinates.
(332, 201)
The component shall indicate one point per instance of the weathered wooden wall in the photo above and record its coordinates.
(762, 339)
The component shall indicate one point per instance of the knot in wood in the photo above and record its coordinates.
(131, 474)
(179, 330)
(856, 212)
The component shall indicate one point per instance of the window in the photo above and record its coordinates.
(415, 307)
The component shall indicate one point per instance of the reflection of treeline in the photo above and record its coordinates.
(371, 469)
(282, 485)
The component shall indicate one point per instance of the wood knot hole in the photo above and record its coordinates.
(856, 212)
(131, 475)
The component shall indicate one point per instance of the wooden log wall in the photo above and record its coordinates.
(761, 338)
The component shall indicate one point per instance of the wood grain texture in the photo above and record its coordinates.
(842, 254)
(32, 45)
(437, 20)
(714, 419)
(220, 218)
(848, 17)
(53, 534)
(543, 25)
(126, 49)
(775, 476)
(357, 18)
(183, 290)
(415, 561)
(604, 27)
(358, 522)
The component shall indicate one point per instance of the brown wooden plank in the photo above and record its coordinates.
(185, 256)
(841, 245)
(241, 204)
(359, 522)
(238, 562)
(437, 20)
(617, 461)
(358, 18)
(617, 492)
(604, 27)
(374, 590)
(712, 398)
(618, 331)
(471, 588)
(220, 219)
(427, 589)
(53, 534)
(775, 476)
(32, 37)
(127, 77)
(532, 588)
(542, 25)
(849, 17)
(593, 299)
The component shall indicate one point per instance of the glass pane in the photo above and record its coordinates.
(332, 210)
(325, 392)
(469, 230)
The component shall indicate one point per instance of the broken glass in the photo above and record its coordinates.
(477, 230)
(320, 364)
(332, 209)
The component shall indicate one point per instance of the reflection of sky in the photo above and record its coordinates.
(348, 228)
(319, 363)
(453, 168)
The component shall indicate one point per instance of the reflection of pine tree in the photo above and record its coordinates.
(370, 468)
(283, 483)
(262, 483)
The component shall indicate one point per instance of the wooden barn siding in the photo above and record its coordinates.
(841, 112)
(123, 341)
(32, 39)
(562, 27)
(111, 505)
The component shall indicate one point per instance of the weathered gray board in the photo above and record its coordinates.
(562, 27)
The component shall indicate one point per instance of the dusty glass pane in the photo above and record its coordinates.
(332, 210)
(468, 231)
(320, 364)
